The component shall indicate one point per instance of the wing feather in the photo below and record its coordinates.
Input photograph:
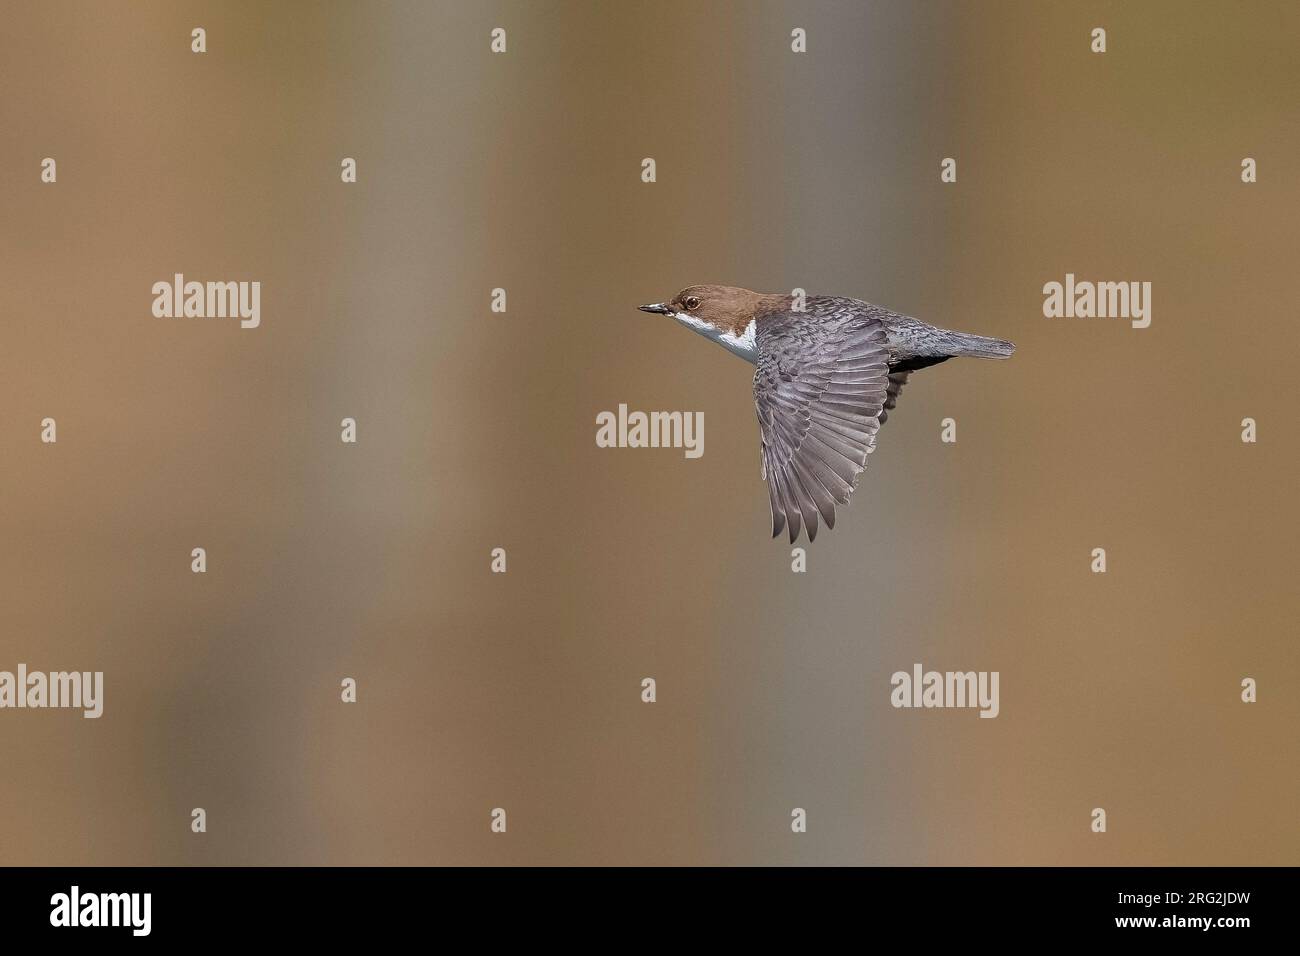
(822, 387)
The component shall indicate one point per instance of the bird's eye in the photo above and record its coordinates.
(692, 303)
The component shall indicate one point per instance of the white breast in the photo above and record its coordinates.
(744, 344)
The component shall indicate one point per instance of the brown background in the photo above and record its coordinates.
(477, 430)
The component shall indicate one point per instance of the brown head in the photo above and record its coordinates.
(721, 313)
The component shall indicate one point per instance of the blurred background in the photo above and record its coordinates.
(476, 431)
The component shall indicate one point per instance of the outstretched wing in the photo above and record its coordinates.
(821, 387)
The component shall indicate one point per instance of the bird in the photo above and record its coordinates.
(828, 371)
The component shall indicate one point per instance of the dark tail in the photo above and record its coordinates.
(977, 346)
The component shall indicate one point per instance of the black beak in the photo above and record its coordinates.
(658, 308)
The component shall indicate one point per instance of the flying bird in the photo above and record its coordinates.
(827, 372)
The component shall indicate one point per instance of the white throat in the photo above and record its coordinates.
(745, 344)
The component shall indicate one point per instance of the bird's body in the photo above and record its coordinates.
(827, 371)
